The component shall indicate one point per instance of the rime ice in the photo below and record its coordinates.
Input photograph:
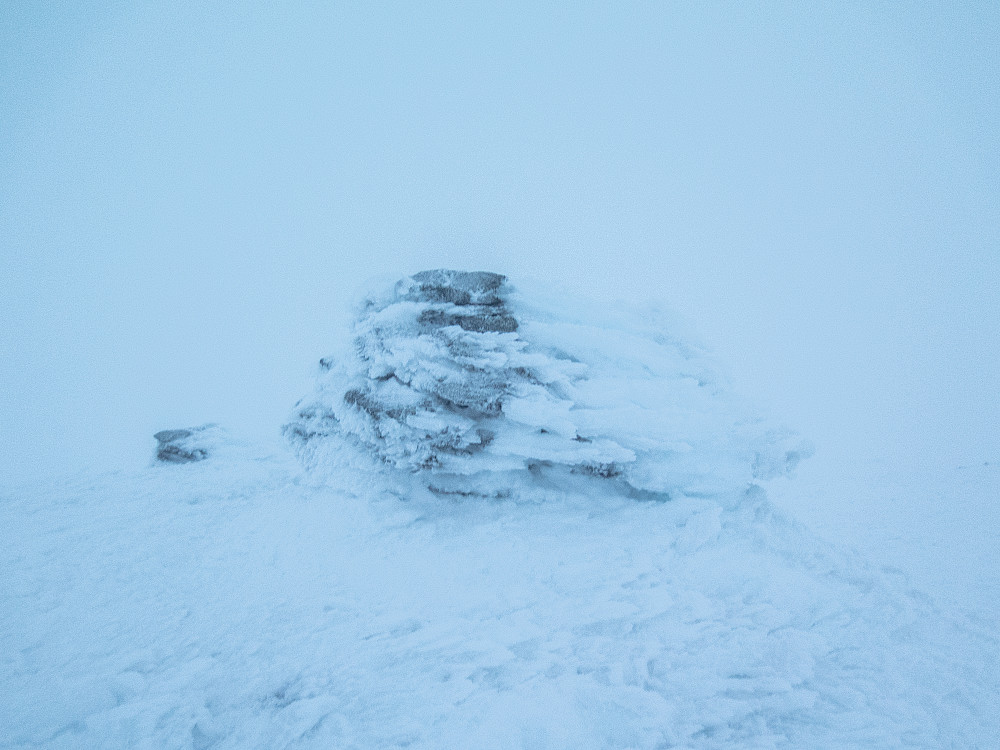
(460, 379)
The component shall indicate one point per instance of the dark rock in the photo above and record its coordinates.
(459, 287)
(174, 454)
(602, 470)
(489, 319)
(376, 409)
(170, 436)
(185, 446)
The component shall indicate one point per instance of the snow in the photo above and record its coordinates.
(497, 597)
(240, 605)
(936, 524)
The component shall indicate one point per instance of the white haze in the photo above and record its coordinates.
(190, 198)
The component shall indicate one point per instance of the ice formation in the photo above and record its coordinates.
(476, 387)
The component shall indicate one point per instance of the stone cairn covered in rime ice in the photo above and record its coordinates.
(443, 380)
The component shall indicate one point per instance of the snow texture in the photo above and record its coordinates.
(459, 378)
(235, 604)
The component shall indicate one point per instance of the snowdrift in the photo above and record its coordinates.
(459, 379)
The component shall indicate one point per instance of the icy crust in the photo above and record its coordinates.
(459, 378)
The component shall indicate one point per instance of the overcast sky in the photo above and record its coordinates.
(189, 197)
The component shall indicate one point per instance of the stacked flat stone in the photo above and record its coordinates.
(433, 367)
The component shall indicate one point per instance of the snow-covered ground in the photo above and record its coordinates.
(938, 524)
(236, 605)
(245, 601)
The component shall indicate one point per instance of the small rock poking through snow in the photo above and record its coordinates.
(476, 387)
(187, 445)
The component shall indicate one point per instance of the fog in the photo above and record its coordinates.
(190, 199)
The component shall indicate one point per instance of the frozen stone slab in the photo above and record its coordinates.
(480, 321)
(459, 287)
(188, 445)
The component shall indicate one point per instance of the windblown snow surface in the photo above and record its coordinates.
(516, 523)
